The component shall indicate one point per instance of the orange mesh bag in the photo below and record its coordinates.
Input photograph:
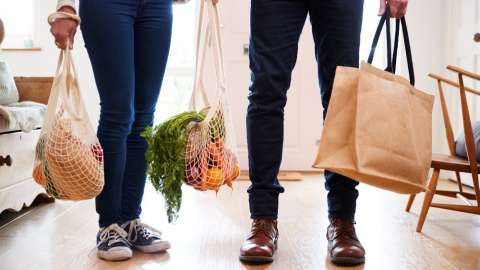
(69, 158)
(210, 159)
(196, 147)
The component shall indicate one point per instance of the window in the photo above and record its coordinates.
(178, 80)
(17, 17)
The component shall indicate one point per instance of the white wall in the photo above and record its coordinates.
(427, 24)
(426, 20)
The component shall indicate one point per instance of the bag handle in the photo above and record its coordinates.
(65, 86)
(198, 85)
(392, 59)
(376, 37)
(212, 34)
(217, 44)
(408, 51)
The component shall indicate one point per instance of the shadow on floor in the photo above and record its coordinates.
(8, 216)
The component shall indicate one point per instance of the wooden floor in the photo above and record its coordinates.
(208, 234)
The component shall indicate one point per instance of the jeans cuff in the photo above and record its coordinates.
(342, 215)
(263, 204)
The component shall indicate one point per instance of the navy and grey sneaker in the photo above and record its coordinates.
(112, 244)
(145, 238)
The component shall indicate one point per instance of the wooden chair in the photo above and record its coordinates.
(452, 162)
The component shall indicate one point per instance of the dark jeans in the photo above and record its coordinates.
(128, 43)
(275, 30)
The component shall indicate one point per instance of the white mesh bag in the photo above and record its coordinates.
(69, 158)
(210, 150)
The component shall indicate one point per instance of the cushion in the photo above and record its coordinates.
(8, 89)
(460, 148)
(25, 116)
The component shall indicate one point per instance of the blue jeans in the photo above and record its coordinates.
(128, 43)
(276, 26)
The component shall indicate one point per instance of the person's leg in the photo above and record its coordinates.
(276, 26)
(336, 26)
(107, 28)
(153, 29)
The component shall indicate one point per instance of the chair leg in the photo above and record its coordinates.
(427, 201)
(459, 182)
(410, 202)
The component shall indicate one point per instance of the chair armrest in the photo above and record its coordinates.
(452, 83)
(464, 72)
(34, 88)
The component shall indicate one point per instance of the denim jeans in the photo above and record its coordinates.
(128, 43)
(276, 26)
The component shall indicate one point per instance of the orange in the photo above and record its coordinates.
(214, 178)
(38, 175)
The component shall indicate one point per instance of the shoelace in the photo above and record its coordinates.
(342, 229)
(259, 226)
(136, 227)
(113, 234)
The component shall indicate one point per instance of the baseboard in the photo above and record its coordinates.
(282, 176)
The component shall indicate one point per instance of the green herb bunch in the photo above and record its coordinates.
(165, 157)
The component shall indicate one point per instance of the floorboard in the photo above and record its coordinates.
(211, 227)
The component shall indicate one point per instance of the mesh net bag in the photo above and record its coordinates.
(196, 147)
(68, 156)
(210, 155)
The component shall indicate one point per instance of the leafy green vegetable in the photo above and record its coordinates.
(165, 158)
(217, 127)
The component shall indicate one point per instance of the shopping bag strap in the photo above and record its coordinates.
(217, 44)
(65, 86)
(376, 37)
(408, 51)
(198, 85)
(210, 37)
(392, 58)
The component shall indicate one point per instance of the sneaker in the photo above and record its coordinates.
(145, 238)
(112, 244)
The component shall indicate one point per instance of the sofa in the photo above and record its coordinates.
(17, 149)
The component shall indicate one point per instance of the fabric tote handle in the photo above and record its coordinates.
(64, 87)
(203, 40)
(392, 58)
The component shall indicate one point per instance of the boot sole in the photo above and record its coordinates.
(347, 260)
(256, 259)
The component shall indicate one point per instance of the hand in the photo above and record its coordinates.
(215, 1)
(64, 30)
(398, 8)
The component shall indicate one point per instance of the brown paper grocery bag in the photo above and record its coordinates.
(378, 128)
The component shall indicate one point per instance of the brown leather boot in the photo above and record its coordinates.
(343, 244)
(261, 244)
